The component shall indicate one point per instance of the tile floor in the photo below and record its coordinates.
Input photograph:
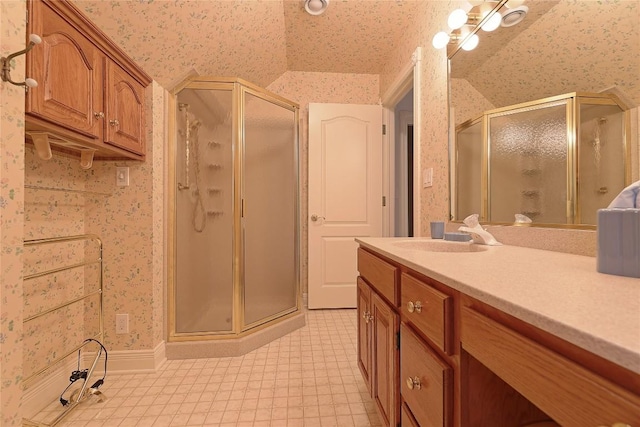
(307, 378)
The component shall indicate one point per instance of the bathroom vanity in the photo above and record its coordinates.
(456, 334)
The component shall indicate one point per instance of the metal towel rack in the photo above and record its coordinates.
(43, 312)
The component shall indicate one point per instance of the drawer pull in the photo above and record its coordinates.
(414, 306)
(414, 383)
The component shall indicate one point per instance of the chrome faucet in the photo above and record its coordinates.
(479, 235)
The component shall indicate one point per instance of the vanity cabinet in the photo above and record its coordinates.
(378, 334)
(90, 94)
(465, 363)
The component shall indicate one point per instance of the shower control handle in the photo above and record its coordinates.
(315, 217)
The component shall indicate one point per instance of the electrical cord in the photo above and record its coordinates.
(82, 374)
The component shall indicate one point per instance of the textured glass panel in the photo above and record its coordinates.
(469, 171)
(269, 223)
(528, 165)
(204, 216)
(601, 156)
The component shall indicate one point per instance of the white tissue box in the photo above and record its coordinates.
(619, 242)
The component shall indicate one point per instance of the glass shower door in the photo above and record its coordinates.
(270, 214)
(528, 151)
(204, 213)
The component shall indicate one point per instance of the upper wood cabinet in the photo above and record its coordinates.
(89, 94)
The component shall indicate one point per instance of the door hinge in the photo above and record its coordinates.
(384, 200)
(398, 340)
(384, 129)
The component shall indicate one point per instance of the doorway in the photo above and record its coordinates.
(401, 104)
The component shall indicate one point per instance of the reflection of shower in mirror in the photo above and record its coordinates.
(597, 144)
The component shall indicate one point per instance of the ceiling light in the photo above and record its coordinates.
(493, 22)
(514, 3)
(457, 19)
(315, 7)
(514, 16)
(440, 40)
(471, 43)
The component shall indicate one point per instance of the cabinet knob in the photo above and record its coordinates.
(367, 317)
(99, 115)
(114, 122)
(414, 383)
(414, 306)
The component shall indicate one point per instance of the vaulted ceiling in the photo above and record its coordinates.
(251, 39)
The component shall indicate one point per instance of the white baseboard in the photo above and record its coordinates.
(48, 389)
(131, 361)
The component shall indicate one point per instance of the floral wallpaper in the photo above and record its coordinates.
(12, 17)
(304, 88)
(594, 48)
(254, 40)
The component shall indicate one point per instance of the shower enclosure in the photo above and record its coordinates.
(556, 160)
(234, 225)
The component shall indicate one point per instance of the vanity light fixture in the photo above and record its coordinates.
(461, 23)
(315, 7)
(5, 62)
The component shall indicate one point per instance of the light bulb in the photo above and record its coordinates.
(30, 82)
(471, 43)
(440, 40)
(457, 19)
(493, 22)
(315, 5)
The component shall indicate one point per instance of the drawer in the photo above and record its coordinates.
(564, 390)
(380, 274)
(426, 383)
(429, 310)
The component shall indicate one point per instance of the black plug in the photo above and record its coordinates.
(64, 402)
(97, 383)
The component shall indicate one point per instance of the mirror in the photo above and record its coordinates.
(560, 47)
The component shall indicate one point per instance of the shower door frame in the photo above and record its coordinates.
(238, 88)
(573, 102)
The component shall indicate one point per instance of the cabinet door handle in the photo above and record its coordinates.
(367, 317)
(414, 383)
(99, 115)
(414, 306)
(114, 122)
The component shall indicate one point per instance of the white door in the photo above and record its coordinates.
(345, 196)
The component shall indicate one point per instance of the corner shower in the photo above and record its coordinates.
(234, 210)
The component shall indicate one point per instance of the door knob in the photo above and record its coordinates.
(315, 217)
(114, 122)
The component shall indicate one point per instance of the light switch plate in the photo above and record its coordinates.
(427, 178)
(122, 177)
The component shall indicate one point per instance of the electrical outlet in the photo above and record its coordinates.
(122, 323)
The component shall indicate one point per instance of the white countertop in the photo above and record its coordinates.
(560, 293)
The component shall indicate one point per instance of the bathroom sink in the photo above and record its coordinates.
(439, 246)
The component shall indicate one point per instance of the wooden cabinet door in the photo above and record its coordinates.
(364, 331)
(384, 373)
(124, 110)
(68, 68)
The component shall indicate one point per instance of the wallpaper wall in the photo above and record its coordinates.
(12, 29)
(304, 88)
